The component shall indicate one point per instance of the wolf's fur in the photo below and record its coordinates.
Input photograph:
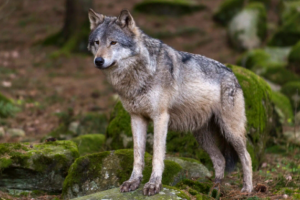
(174, 89)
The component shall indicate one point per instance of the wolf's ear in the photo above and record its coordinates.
(95, 19)
(125, 19)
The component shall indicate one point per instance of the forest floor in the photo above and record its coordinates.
(44, 86)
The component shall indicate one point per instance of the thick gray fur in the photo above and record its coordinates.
(176, 90)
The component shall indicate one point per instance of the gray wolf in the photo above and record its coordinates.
(176, 90)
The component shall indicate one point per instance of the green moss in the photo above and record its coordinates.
(252, 58)
(168, 7)
(278, 74)
(227, 10)
(259, 110)
(262, 18)
(288, 8)
(92, 123)
(283, 107)
(90, 143)
(180, 194)
(7, 107)
(292, 90)
(199, 187)
(294, 57)
(288, 34)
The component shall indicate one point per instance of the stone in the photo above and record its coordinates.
(2, 132)
(166, 193)
(248, 29)
(89, 143)
(283, 108)
(15, 132)
(101, 171)
(36, 166)
(168, 7)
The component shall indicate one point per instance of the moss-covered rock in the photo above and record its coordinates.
(283, 108)
(229, 8)
(292, 91)
(247, 30)
(166, 193)
(168, 7)
(106, 170)
(277, 74)
(89, 143)
(294, 58)
(199, 190)
(288, 34)
(43, 166)
(288, 9)
(259, 111)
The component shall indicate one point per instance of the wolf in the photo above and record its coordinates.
(175, 90)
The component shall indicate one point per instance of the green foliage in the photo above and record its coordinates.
(278, 74)
(89, 143)
(168, 7)
(283, 107)
(252, 58)
(7, 107)
(199, 190)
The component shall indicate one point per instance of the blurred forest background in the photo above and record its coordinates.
(49, 87)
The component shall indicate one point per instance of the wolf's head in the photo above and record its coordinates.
(112, 39)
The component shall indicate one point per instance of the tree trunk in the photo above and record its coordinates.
(74, 35)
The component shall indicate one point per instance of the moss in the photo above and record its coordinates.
(294, 57)
(291, 90)
(89, 143)
(258, 105)
(283, 107)
(288, 8)
(252, 58)
(7, 107)
(168, 7)
(227, 10)
(288, 34)
(92, 123)
(180, 194)
(277, 74)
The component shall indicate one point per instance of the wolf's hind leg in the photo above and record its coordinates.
(139, 132)
(206, 139)
(232, 121)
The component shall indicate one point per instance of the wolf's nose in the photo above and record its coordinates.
(99, 61)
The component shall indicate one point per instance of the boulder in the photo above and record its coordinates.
(292, 91)
(248, 29)
(288, 34)
(288, 9)
(43, 166)
(168, 7)
(101, 171)
(89, 143)
(283, 108)
(166, 193)
(259, 111)
(294, 58)
(15, 132)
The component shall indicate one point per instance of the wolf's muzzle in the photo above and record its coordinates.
(99, 61)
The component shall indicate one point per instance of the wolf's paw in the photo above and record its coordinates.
(151, 188)
(247, 189)
(130, 185)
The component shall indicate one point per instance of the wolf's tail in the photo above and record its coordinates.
(231, 157)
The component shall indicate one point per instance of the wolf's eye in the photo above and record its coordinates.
(97, 42)
(113, 42)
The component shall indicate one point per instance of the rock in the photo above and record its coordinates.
(283, 108)
(259, 112)
(248, 29)
(191, 168)
(288, 34)
(2, 132)
(294, 58)
(25, 166)
(292, 91)
(73, 127)
(89, 143)
(168, 7)
(197, 189)
(101, 171)
(166, 193)
(288, 9)
(15, 132)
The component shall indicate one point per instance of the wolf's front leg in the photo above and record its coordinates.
(139, 132)
(159, 148)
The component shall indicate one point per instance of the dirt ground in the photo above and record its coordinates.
(44, 86)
